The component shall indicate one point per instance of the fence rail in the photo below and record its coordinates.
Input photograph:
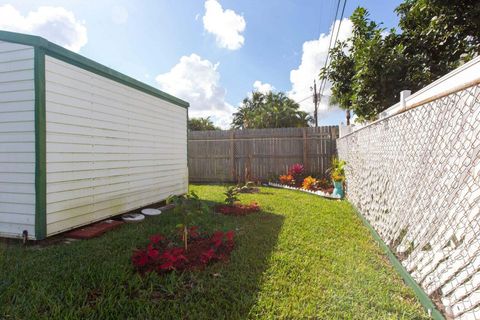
(258, 154)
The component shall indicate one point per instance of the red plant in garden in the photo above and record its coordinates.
(162, 255)
(296, 169)
(140, 258)
(229, 235)
(156, 238)
(294, 177)
(238, 209)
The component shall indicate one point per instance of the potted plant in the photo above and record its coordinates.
(337, 173)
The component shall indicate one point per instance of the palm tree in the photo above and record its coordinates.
(201, 124)
(269, 110)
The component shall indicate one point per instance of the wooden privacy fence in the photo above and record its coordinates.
(258, 154)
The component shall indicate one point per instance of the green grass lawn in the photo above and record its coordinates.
(301, 257)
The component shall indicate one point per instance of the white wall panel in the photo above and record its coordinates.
(17, 140)
(110, 148)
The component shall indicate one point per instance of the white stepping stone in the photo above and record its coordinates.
(151, 212)
(133, 217)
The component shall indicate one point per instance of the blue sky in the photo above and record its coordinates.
(208, 52)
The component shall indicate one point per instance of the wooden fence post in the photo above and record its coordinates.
(232, 154)
(333, 140)
(305, 147)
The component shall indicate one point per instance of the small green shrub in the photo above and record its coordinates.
(231, 194)
(187, 206)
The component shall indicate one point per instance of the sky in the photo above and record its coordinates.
(211, 53)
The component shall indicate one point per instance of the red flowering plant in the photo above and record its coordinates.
(297, 169)
(163, 255)
(294, 176)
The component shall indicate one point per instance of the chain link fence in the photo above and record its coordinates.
(416, 178)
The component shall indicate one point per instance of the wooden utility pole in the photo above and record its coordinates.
(232, 155)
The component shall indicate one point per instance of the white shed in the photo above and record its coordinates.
(80, 142)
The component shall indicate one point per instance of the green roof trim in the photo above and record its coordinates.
(40, 146)
(80, 61)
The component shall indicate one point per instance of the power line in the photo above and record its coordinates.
(315, 97)
(340, 23)
(332, 35)
(304, 98)
(324, 81)
(333, 32)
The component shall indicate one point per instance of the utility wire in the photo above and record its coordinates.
(324, 81)
(304, 99)
(316, 99)
(340, 23)
(331, 37)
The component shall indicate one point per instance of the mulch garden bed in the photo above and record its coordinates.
(163, 255)
(237, 209)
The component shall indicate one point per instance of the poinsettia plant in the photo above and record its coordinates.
(163, 255)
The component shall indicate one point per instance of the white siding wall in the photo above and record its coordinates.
(17, 140)
(110, 148)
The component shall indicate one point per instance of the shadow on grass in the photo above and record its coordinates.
(223, 290)
(94, 278)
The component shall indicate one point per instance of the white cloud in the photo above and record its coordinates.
(226, 25)
(262, 87)
(53, 23)
(119, 15)
(197, 81)
(313, 59)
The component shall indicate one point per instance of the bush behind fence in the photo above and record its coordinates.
(258, 154)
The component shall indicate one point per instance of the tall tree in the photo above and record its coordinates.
(370, 69)
(270, 110)
(437, 36)
(201, 124)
